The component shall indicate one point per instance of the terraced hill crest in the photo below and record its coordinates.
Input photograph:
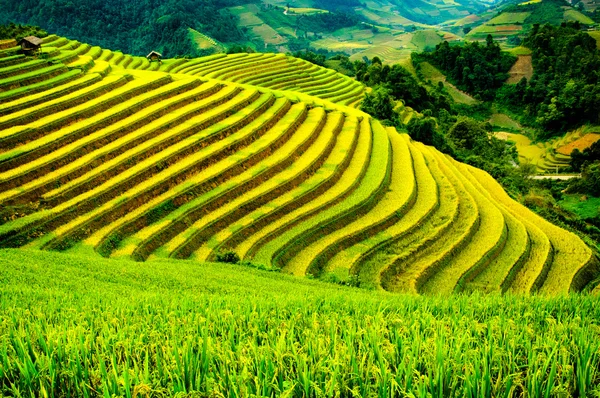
(261, 154)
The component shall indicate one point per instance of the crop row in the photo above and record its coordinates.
(426, 202)
(277, 72)
(217, 181)
(372, 187)
(32, 113)
(95, 152)
(145, 218)
(398, 199)
(57, 121)
(308, 191)
(137, 159)
(160, 172)
(346, 183)
(45, 135)
(85, 200)
(310, 149)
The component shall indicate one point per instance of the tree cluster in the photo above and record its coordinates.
(134, 27)
(326, 22)
(400, 84)
(335, 5)
(317, 59)
(12, 31)
(472, 67)
(589, 155)
(564, 91)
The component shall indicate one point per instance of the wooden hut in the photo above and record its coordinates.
(31, 45)
(154, 56)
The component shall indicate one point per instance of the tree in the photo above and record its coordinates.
(426, 130)
(589, 155)
(467, 133)
(589, 182)
(475, 68)
(379, 103)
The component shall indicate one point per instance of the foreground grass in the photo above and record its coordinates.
(84, 326)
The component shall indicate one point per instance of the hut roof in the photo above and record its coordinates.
(153, 53)
(36, 41)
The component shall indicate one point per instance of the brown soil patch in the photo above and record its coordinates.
(584, 142)
(4, 44)
(508, 28)
(521, 68)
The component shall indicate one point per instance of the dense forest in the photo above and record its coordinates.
(135, 27)
(401, 85)
(326, 22)
(475, 68)
(564, 91)
(335, 5)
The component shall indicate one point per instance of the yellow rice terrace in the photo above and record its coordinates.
(263, 155)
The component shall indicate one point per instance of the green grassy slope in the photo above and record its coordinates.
(517, 19)
(82, 326)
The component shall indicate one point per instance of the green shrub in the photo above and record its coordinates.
(230, 257)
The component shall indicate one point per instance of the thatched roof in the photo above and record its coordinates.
(154, 53)
(36, 41)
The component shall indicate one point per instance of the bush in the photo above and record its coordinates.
(230, 257)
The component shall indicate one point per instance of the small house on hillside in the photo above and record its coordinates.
(31, 45)
(154, 56)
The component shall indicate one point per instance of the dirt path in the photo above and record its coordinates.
(521, 68)
(562, 177)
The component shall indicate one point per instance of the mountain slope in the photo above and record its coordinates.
(107, 153)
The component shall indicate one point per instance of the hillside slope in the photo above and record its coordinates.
(118, 158)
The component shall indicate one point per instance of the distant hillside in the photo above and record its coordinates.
(142, 26)
(400, 12)
(136, 27)
(516, 20)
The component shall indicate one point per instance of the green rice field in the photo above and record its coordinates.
(74, 325)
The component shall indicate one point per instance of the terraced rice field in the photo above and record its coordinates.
(553, 155)
(277, 72)
(111, 155)
(581, 143)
